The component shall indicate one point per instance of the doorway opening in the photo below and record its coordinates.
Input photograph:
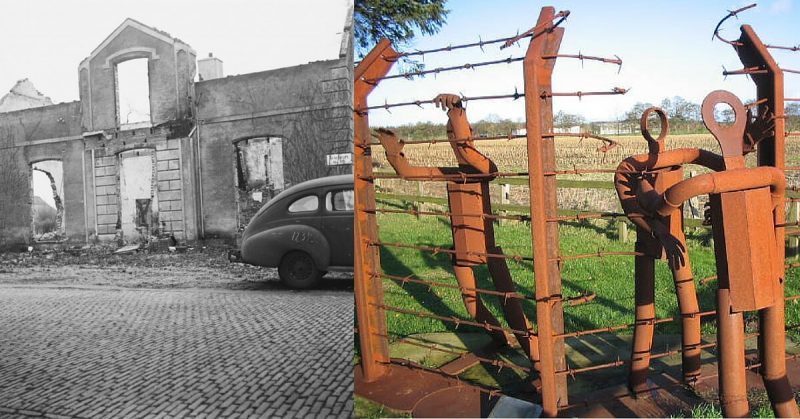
(47, 206)
(137, 196)
(259, 174)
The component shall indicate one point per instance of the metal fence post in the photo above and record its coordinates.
(771, 152)
(368, 287)
(543, 200)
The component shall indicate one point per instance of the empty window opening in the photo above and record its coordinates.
(47, 208)
(259, 174)
(133, 93)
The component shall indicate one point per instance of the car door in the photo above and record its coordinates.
(337, 224)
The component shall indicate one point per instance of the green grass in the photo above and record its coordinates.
(368, 410)
(759, 407)
(611, 278)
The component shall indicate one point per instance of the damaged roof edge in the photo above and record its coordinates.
(41, 108)
(293, 68)
(130, 22)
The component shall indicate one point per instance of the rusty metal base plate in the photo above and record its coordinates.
(422, 393)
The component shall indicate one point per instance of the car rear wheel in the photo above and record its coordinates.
(297, 270)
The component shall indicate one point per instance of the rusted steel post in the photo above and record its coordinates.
(543, 201)
(732, 381)
(770, 151)
(645, 314)
(368, 287)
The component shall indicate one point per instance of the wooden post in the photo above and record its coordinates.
(505, 194)
(418, 204)
(794, 240)
(694, 202)
(622, 230)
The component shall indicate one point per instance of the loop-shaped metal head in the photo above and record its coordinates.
(730, 137)
(656, 145)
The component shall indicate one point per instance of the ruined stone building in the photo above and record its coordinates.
(197, 164)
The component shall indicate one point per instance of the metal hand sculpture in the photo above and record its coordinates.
(473, 233)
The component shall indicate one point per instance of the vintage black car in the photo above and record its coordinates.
(305, 231)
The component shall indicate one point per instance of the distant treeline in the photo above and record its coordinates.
(684, 118)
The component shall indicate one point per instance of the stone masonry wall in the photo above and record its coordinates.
(170, 187)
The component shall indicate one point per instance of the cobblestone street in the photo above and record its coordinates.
(101, 351)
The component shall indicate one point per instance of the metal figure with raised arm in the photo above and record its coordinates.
(473, 232)
(660, 237)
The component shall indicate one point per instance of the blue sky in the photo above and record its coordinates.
(666, 48)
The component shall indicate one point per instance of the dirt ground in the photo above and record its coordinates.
(197, 267)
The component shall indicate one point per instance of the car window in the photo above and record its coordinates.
(339, 200)
(305, 204)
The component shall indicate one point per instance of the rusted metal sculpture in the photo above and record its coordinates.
(748, 256)
(660, 237)
(651, 189)
(473, 234)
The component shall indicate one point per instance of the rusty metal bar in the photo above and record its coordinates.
(523, 218)
(537, 74)
(610, 328)
(794, 48)
(514, 96)
(465, 66)
(374, 351)
(622, 362)
(572, 301)
(463, 176)
(455, 320)
(457, 140)
(543, 27)
(731, 13)
(745, 71)
(771, 152)
(419, 103)
(580, 56)
(435, 250)
(598, 254)
(611, 143)
(579, 94)
(430, 284)
(494, 362)
(512, 39)
(448, 214)
(406, 363)
(586, 216)
(448, 177)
